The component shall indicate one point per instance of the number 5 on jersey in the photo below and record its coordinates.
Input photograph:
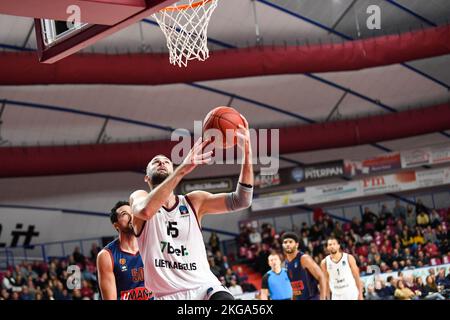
(171, 230)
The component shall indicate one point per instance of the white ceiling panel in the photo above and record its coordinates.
(13, 29)
(294, 93)
(427, 140)
(394, 86)
(22, 125)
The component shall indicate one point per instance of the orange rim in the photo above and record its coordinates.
(186, 6)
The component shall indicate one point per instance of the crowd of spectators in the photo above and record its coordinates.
(395, 239)
(433, 286)
(40, 280)
(235, 280)
(52, 280)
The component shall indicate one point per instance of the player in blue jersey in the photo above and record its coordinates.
(119, 264)
(305, 275)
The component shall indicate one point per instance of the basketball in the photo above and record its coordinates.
(223, 119)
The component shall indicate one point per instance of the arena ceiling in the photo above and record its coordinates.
(87, 114)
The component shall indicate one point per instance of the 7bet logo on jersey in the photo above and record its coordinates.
(166, 246)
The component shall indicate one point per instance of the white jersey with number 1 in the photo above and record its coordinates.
(174, 255)
(341, 280)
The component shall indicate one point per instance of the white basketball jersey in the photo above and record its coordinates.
(340, 275)
(173, 252)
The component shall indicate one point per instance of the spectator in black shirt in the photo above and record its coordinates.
(385, 213)
(390, 289)
(261, 260)
(214, 242)
(441, 280)
(267, 233)
(215, 269)
(327, 228)
(95, 249)
(395, 266)
(304, 241)
(315, 233)
(369, 219)
(304, 228)
(441, 234)
(78, 256)
(420, 207)
(423, 258)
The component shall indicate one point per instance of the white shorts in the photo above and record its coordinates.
(346, 295)
(201, 293)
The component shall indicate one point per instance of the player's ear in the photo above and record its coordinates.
(146, 178)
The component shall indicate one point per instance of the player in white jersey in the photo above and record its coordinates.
(342, 273)
(168, 226)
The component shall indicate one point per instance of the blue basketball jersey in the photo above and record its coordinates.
(129, 273)
(304, 285)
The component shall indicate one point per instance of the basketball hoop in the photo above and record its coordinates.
(185, 26)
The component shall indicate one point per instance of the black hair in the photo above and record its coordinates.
(289, 235)
(332, 238)
(113, 214)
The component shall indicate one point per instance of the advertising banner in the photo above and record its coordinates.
(278, 200)
(389, 183)
(267, 181)
(440, 155)
(324, 170)
(429, 178)
(211, 185)
(386, 162)
(333, 192)
(310, 172)
(374, 185)
(416, 158)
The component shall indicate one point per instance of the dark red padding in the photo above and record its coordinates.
(23, 68)
(39, 161)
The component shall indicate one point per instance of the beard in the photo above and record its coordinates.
(333, 251)
(128, 230)
(289, 250)
(158, 177)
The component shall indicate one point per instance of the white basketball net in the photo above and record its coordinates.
(185, 26)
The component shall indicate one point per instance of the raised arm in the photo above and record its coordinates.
(106, 280)
(208, 203)
(144, 205)
(355, 272)
(309, 264)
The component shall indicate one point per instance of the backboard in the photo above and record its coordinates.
(88, 21)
